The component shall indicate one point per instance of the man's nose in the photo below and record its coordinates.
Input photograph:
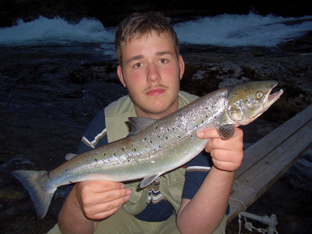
(153, 73)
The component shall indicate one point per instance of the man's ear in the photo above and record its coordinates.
(182, 66)
(120, 75)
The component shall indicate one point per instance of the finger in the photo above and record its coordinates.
(219, 144)
(90, 197)
(236, 142)
(107, 206)
(213, 133)
(207, 133)
(225, 166)
(87, 187)
(93, 203)
(109, 196)
(104, 185)
(104, 215)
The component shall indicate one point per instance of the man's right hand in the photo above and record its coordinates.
(90, 201)
(100, 199)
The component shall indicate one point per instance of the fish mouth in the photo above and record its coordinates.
(272, 97)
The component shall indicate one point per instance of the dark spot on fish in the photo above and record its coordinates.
(179, 137)
(104, 154)
(122, 149)
(145, 139)
(95, 160)
(134, 149)
(159, 146)
(166, 138)
(158, 136)
(114, 154)
(168, 129)
(172, 129)
(151, 141)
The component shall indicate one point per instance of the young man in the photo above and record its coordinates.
(181, 201)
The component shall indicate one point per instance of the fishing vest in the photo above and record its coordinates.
(171, 183)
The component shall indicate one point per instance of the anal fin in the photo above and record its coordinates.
(148, 180)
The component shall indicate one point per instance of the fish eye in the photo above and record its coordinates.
(259, 95)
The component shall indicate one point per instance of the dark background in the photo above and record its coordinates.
(48, 95)
(110, 12)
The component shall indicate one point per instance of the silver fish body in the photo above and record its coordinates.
(155, 146)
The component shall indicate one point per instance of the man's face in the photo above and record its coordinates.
(151, 71)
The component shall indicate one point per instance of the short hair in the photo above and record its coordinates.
(140, 24)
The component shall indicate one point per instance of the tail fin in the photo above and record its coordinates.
(41, 190)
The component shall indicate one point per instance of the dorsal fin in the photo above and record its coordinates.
(69, 156)
(139, 123)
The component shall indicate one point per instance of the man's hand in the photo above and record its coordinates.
(88, 202)
(227, 155)
(100, 199)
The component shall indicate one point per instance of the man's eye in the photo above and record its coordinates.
(137, 65)
(163, 61)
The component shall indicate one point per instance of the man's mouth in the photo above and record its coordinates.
(155, 91)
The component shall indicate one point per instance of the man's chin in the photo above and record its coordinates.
(159, 110)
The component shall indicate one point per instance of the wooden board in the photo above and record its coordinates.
(268, 159)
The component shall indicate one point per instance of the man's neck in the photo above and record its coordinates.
(173, 108)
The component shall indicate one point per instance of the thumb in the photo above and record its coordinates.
(207, 133)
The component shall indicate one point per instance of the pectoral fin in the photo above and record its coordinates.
(148, 180)
(226, 131)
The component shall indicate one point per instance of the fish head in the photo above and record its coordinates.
(246, 102)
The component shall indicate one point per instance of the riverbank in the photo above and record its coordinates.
(48, 95)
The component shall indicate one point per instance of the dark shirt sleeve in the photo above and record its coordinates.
(94, 135)
(196, 171)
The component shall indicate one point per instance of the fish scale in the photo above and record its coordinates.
(155, 147)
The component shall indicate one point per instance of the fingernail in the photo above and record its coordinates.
(200, 134)
(129, 192)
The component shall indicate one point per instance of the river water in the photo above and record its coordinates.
(49, 92)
